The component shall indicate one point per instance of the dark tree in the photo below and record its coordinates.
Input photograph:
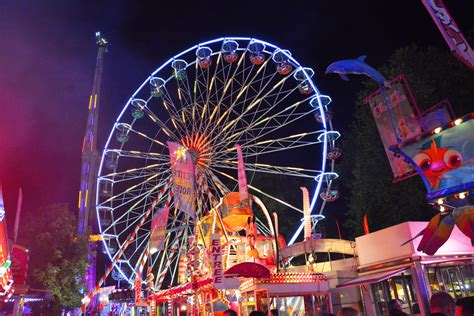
(58, 256)
(432, 75)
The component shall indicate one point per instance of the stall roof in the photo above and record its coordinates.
(390, 244)
(372, 278)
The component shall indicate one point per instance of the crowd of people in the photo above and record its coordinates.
(441, 304)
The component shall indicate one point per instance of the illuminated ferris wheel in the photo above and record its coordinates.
(206, 99)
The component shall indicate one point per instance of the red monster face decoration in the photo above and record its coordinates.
(436, 161)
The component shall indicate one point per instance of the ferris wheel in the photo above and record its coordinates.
(207, 99)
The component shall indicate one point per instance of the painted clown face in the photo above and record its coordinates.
(436, 161)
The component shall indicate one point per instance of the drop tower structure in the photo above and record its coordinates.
(90, 159)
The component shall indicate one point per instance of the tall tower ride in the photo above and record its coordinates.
(90, 155)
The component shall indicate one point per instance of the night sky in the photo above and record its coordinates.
(48, 53)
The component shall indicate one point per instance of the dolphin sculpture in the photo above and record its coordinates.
(356, 67)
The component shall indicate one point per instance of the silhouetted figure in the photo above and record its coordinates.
(257, 313)
(465, 306)
(395, 308)
(416, 308)
(230, 312)
(442, 304)
(348, 311)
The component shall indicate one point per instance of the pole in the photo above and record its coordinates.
(17, 215)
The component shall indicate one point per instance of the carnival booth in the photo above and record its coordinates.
(289, 293)
(229, 263)
(390, 267)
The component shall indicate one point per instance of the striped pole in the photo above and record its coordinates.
(124, 247)
(144, 259)
(206, 190)
(174, 248)
(200, 194)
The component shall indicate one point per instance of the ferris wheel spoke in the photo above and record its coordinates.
(263, 228)
(228, 176)
(185, 98)
(266, 168)
(257, 98)
(209, 87)
(140, 155)
(264, 107)
(140, 243)
(277, 145)
(266, 123)
(173, 112)
(151, 139)
(130, 189)
(247, 82)
(225, 84)
(195, 93)
(163, 127)
(172, 250)
(158, 180)
(138, 199)
(132, 174)
(263, 128)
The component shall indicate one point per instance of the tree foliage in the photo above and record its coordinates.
(58, 256)
(432, 76)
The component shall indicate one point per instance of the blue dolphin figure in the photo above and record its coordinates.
(357, 67)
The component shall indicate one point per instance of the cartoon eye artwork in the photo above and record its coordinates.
(452, 158)
(423, 161)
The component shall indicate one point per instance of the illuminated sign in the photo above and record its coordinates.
(216, 260)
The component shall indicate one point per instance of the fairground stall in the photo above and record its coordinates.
(390, 266)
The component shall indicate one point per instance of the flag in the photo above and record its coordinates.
(366, 225)
(182, 168)
(158, 229)
(243, 189)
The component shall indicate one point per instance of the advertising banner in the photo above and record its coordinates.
(182, 168)
(404, 120)
(450, 31)
(158, 230)
(445, 160)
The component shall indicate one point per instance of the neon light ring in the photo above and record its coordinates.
(208, 98)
